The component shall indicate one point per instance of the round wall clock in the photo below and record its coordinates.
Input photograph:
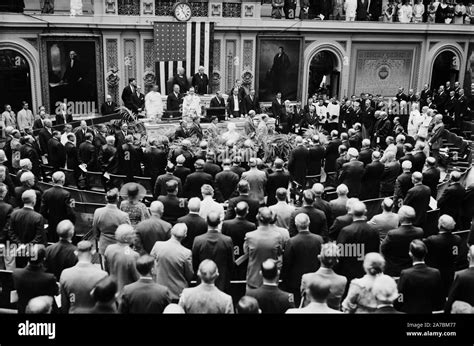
(182, 11)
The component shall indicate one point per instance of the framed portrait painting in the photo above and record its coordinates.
(279, 67)
(72, 73)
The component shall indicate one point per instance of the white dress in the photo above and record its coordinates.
(191, 106)
(414, 122)
(76, 7)
(406, 13)
(351, 7)
(153, 104)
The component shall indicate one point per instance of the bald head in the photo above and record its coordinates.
(179, 231)
(40, 305)
(157, 208)
(342, 190)
(446, 223)
(407, 165)
(387, 204)
(359, 209)
(302, 222)
(194, 204)
(213, 219)
(29, 197)
(376, 156)
(59, 178)
(416, 177)
(318, 189)
(65, 229)
(241, 209)
(265, 216)
(406, 214)
(208, 271)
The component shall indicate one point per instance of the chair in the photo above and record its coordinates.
(117, 180)
(70, 177)
(43, 185)
(47, 171)
(312, 179)
(75, 194)
(84, 217)
(92, 197)
(95, 182)
(146, 183)
(6, 287)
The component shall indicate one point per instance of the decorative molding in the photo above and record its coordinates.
(165, 8)
(216, 58)
(433, 43)
(32, 41)
(343, 44)
(231, 10)
(148, 7)
(200, 8)
(247, 55)
(148, 54)
(111, 6)
(129, 7)
(231, 60)
(248, 10)
(130, 58)
(215, 9)
(112, 77)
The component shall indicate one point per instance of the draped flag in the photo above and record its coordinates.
(187, 45)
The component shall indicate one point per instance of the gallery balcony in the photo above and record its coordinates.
(239, 15)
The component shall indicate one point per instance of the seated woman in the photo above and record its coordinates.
(360, 298)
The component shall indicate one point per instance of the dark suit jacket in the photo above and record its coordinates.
(421, 290)
(138, 101)
(462, 288)
(27, 151)
(271, 299)
(174, 208)
(72, 156)
(60, 118)
(389, 176)
(144, 297)
(358, 232)
(80, 136)
(225, 185)
(106, 109)
(251, 105)
(5, 214)
(183, 83)
(402, 185)
(451, 201)
(200, 83)
(31, 282)
(387, 310)
(297, 164)
(26, 226)
(230, 105)
(365, 156)
(315, 159)
(300, 257)
(351, 175)
(418, 161)
(253, 204)
(60, 256)
(339, 223)
(194, 182)
(173, 102)
(55, 207)
(370, 183)
(155, 161)
(395, 248)
(88, 155)
(196, 227)
(44, 137)
(418, 197)
(274, 182)
(331, 155)
(318, 223)
(277, 108)
(127, 96)
(211, 168)
(443, 254)
(130, 158)
(218, 247)
(431, 179)
(236, 230)
(56, 154)
(217, 102)
(38, 124)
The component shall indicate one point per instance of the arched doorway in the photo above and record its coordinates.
(324, 74)
(15, 79)
(445, 68)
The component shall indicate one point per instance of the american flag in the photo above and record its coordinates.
(185, 45)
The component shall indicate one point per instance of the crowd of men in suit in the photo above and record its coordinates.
(218, 218)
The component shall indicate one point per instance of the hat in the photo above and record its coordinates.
(133, 190)
(84, 246)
